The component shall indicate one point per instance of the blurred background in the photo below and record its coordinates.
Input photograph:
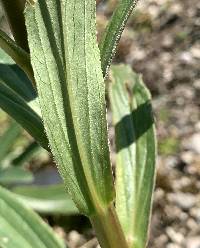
(162, 42)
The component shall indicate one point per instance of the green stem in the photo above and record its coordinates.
(108, 229)
(14, 12)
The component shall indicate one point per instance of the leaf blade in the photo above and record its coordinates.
(13, 175)
(136, 153)
(20, 56)
(21, 227)
(113, 32)
(8, 138)
(69, 73)
(17, 108)
(50, 199)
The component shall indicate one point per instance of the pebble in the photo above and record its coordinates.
(195, 213)
(184, 200)
(176, 237)
(172, 245)
(75, 239)
(194, 143)
(193, 242)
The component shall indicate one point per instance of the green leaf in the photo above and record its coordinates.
(18, 109)
(13, 175)
(27, 154)
(8, 138)
(20, 227)
(20, 56)
(46, 199)
(14, 15)
(113, 32)
(67, 69)
(12, 76)
(136, 153)
(15, 78)
(5, 58)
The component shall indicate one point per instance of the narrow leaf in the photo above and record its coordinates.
(5, 58)
(14, 14)
(16, 79)
(13, 175)
(136, 149)
(46, 199)
(21, 227)
(17, 108)
(113, 32)
(27, 154)
(67, 68)
(20, 56)
(8, 139)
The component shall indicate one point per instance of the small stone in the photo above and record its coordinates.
(176, 237)
(195, 213)
(162, 239)
(75, 239)
(193, 242)
(195, 51)
(167, 41)
(183, 200)
(191, 224)
(186, 58)
(172, 245)
(197, 84)
(187, 157)
(194, 143)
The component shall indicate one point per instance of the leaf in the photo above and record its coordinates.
(20, 56)
(17, 108)
(67, 69)
(27, 154)
(21, 227)
(13, 175)
(46, 199)
(8, 138)
(136, 153)
(5, 58)
(15, 78)
(113, 32)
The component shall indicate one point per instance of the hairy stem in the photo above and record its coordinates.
(108, 229)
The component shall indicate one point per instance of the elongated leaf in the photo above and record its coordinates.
(135, 144)
(8, 138)
(27, 154)
(46, 199)
(14, 14)
(14, 78)
(113, 32)
(20, 56)
(67, 68)
(5, 58)
(13, 175)
(20, 227)
(17, 108)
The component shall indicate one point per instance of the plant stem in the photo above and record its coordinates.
(14, 13)
(108, 229)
